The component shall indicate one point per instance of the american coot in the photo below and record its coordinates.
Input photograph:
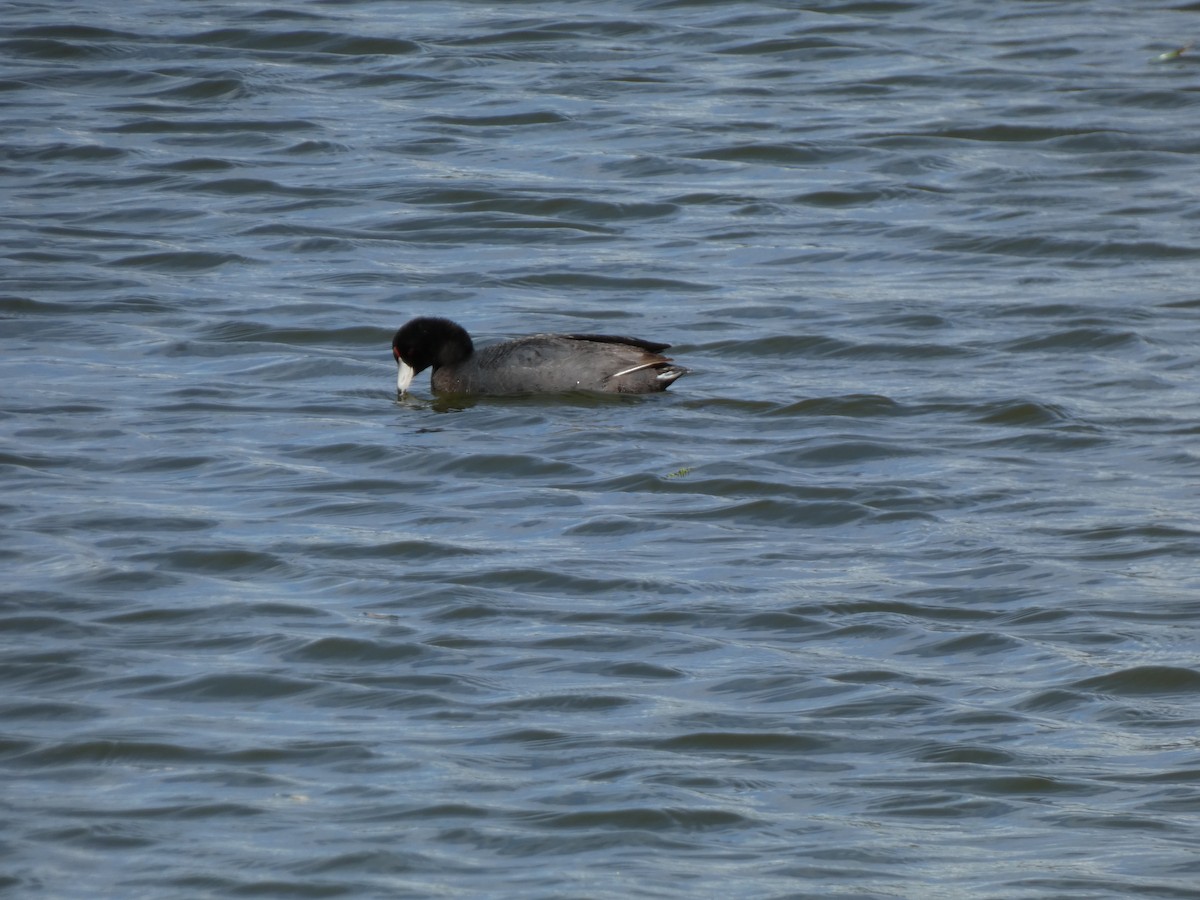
(538, 364)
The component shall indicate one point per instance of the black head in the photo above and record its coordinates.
(430, 341)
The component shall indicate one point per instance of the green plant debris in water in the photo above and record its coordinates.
(1174, 54)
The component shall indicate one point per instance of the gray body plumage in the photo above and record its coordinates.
(556, 363)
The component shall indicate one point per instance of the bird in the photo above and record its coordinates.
(536, 364)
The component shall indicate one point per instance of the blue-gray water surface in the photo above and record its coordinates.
(896, 595)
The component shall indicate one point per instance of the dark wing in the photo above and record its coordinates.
(652, 346)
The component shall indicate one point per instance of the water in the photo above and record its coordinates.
(896, 596)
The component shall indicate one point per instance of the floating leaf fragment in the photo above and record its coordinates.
(1176, 53)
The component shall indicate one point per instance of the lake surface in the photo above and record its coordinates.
(896, 595)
